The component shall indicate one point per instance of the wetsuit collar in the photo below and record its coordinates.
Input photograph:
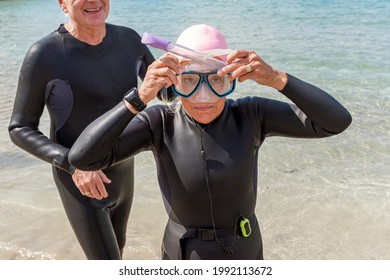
(94, 51)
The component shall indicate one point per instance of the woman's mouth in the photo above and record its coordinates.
(203, 107)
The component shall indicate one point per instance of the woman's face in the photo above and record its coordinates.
(86, 13)
(206, 110)
(203, 106)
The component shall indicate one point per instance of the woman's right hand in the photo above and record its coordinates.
(161, 73)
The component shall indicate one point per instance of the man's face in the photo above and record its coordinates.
(86, 13)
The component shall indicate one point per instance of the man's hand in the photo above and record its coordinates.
(91, 183)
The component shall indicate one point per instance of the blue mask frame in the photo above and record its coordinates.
(203, 79)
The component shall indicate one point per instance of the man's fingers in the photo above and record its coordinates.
(104, 178)
(101, 190)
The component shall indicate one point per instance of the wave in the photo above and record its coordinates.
(9, 251)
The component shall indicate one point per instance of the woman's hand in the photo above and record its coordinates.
(161, 73)
(246, 64)
(91, 183)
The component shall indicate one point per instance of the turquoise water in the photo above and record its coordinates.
(318, 199)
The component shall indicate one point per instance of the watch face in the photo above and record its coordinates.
(136, 102)
(133, 98)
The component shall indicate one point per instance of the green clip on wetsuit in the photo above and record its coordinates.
(208, 173)
(78, 83)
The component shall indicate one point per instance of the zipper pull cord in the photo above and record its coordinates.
(227, 249)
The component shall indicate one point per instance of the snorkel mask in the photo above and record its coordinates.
(203, 51)
(191, 81)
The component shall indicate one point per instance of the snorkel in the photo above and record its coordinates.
(197, 57)
(187, 46)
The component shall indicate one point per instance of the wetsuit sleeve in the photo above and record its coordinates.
(110, 139)
(146, 61)
(314, 113)
(28, 108)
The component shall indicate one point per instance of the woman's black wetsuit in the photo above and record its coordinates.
(78, 83)
(208, 173)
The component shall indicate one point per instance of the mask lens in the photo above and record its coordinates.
(220, 85)
(187, 84)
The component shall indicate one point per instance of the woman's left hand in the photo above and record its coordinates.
(246, 64)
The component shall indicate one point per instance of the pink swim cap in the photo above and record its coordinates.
(201, 38)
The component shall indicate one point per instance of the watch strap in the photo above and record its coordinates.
(133, 98)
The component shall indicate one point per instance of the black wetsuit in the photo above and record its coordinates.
(78, 83)
(208, 173)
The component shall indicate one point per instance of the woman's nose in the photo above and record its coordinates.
(204, 93)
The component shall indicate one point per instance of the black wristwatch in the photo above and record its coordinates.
(132, 97)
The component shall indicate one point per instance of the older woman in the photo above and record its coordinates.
(79, 72)
(206, 151)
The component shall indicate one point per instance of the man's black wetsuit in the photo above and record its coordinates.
(208, 173)
(78, 83)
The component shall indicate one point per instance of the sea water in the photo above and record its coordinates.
(317, 199)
